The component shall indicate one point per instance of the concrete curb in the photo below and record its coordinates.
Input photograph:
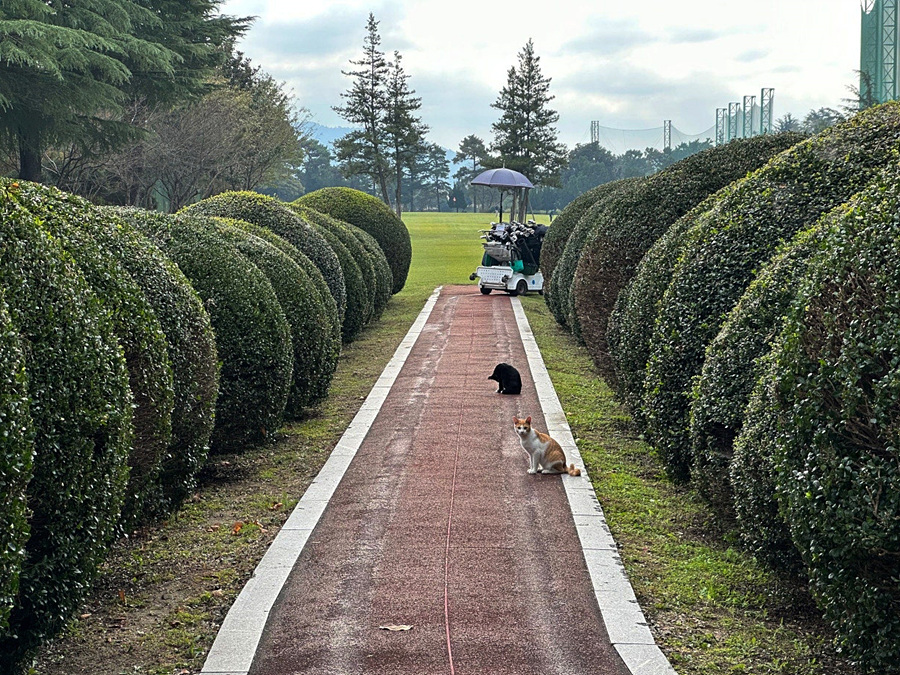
(624, 619)
(234, 648)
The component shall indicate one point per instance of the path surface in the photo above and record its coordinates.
(437, 525)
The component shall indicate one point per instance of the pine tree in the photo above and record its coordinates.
(362, 151)
(524, 137)
(471, 149)
(404, 131)
(67, 69)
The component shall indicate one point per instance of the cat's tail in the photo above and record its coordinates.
(573, 471)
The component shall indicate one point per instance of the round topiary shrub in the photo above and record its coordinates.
(732, 366)
(253, 337)
(627, 225)
(383, 277)
(81, 417)
(561, 228)
(363, 283)
(559, 293)
(94, 239)
(837, 457)
(16, 449)
(760, 522)
(192, 353)
(359, 309)
(634, 314)
(322, 334)
(298, 300)
(270, 213)
(737, 237)
(372, 215)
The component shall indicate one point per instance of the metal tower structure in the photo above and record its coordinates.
(667, 134)
(595, 131)
(734, 114)
(766, 101)
(879, 55)
(749, 105)
(721, 125)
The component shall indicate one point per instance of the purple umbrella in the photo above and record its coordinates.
(502, 178)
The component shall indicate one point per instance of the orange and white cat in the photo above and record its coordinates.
(544, 453)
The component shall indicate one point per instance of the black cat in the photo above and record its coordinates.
(508, 378)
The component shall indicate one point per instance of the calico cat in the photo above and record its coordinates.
(508, 378)
(542, 450)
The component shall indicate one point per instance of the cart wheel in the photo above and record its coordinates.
(541, 292)
(521, 287)
(485, 291)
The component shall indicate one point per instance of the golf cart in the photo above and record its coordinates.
(512, 250)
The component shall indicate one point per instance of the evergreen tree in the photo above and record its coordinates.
(404, 131)
(67, 68)
(471, 149)
(362, 151)
(524, 137)
(438, 167)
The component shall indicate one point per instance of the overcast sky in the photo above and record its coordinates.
(629, 64)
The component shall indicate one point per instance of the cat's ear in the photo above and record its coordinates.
(528, 420)
(515, 420)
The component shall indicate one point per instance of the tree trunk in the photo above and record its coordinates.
(30, 156)
(398, 192)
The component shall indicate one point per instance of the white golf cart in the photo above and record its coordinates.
(512, 250)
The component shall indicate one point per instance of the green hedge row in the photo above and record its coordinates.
(253, 337)
(732, 366)
(372, 215)
(634, 314)
(559, 296)
(627, 225)
(80, 407)
(131, 343)
(561, 229)
(730, 243)
(834, 387)
(274, 215)
(360, 303)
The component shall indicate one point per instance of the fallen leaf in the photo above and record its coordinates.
(213, 528)
(276, 506)
(86, 615)
(218, 593)
(122, 596)
(237, 527)
(396, 628)
(259, 525)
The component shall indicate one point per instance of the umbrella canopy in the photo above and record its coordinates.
(502, 178)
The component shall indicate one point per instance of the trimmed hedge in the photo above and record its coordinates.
(761, 525)
(192, 353)
(384, 280)
(732, 366)
(634, 314)
(269, 212)
(767, 207)
(361, 289)
(628, 225)
(559, 293)
(80, 404)
(372, 215)
(16, 448)
(561, 228)
(297, 298)
(253, 338)
(837, 457)
(359, 309)
(323, 346)
(94, 239)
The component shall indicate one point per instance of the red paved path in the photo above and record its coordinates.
(442, 456)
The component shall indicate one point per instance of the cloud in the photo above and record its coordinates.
(607, 39)
(694, 35)
(751, 55)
